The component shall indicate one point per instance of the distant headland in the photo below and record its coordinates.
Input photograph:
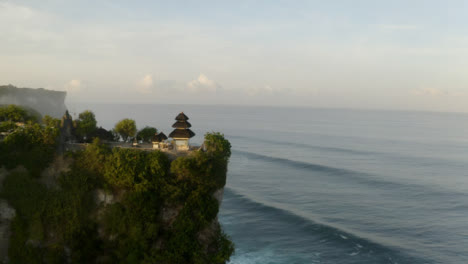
(46, 102)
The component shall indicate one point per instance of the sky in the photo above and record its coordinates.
(401, 55)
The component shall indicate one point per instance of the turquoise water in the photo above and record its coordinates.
(333, 186)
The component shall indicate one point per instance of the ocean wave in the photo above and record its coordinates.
(390, 155)
(373, 180)
(308, 146)
(361, 177)
(325, 238)
(294, 163)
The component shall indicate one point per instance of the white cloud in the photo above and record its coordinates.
(203, 84)
(145, 85)
(429, 92)
(73, 86)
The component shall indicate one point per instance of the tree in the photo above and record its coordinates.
(147, 133)
(32, 146)
(49, 121)
(216, 143)
(7, 126)
(86, 124)
(126, 128)
(12, 113)
(17, 113)
(116, 136)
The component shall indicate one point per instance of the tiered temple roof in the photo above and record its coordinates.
(182, 127)
(159, 137)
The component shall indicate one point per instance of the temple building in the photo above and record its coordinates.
(182, 132)
(158, 140)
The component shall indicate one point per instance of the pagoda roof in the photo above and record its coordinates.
(182, 124)
(156, 138)
(162, 136)
(182, 133)
(159, 137)
(181, 117)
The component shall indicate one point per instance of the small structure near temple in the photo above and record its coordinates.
(158, 140)
(67, 130)
(135, 143)
(182, 132)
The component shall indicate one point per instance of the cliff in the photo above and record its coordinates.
(110, 205)
(46, 102)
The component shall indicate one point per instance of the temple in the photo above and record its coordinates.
(158, 141)
(182, 132)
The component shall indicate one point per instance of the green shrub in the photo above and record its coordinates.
(146, 134)
(216, 144)
(7, 126)
(51, 122)
(32, 146)
(17, 113)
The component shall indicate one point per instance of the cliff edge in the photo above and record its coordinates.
(110, 205)
(46, 102)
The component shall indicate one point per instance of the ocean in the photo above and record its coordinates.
(332, 185)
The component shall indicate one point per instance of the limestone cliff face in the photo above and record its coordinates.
(112, 205)
(7, 213)
(46, 102)
(168, 220)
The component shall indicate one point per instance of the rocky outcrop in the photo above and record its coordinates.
(46, 102)
(7, 213)
(50, 175)
(169, 214)
(218, 195)
(125, 205)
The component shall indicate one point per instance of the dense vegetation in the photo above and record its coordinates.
(32, 146)
(66, 223)
(14, 113)
(51, 122)
(146, 134)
